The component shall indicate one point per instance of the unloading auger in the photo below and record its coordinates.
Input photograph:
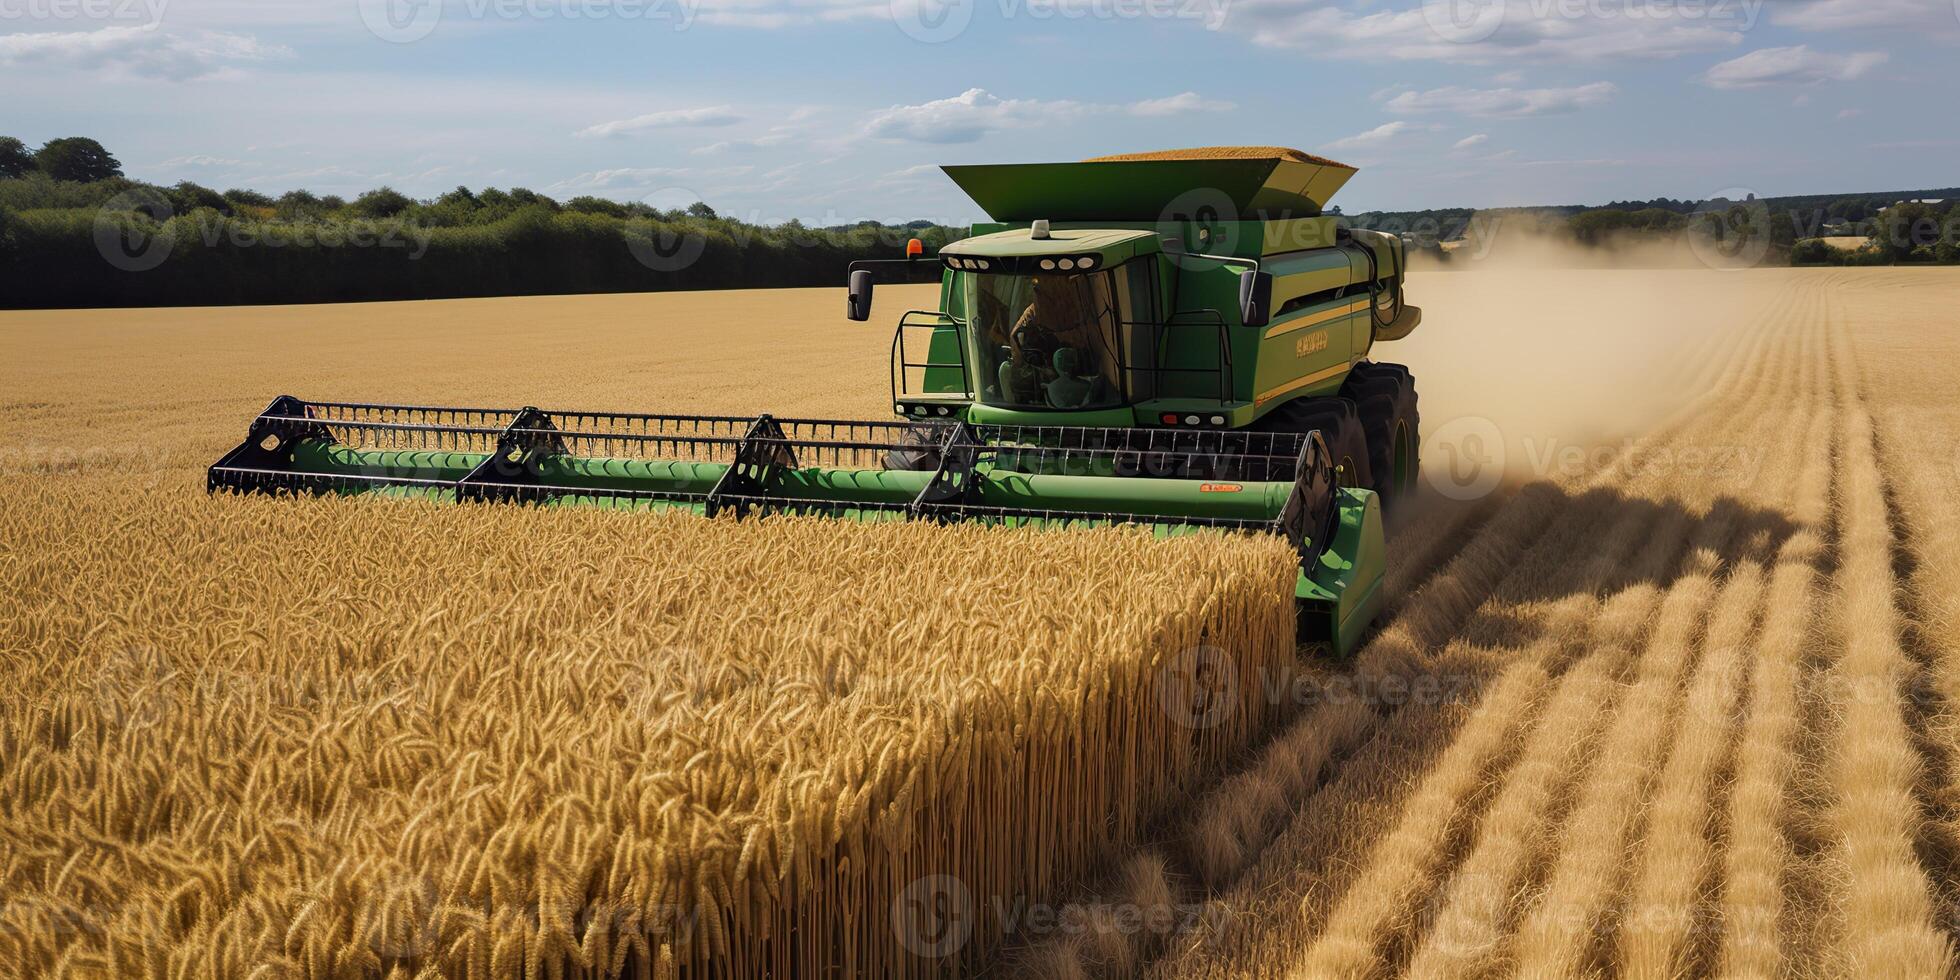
(1174, 340)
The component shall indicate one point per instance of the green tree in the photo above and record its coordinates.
(299, 204)
(76, 158)
(1815, 251)
(700, 209)
(244, 198)
(524, 195)
(1902, 229)
(598, 205)
(15, 161)
(187, 197)
(382, 202)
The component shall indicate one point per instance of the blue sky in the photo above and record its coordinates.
(833, 110)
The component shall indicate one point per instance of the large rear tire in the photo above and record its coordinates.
(1338, 421)
(1391, 423)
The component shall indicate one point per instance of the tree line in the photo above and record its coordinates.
(1890, 228)
(76, 232)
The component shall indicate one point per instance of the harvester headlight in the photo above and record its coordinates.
(982, 263)
(1085, 262)
(1218, 420)
(1067, 264)
(1190, 420)
(1048, 265)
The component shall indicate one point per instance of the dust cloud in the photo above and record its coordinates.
(1542, 361)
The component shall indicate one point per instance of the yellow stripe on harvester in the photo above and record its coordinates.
(1317, 319)
(1317, 376)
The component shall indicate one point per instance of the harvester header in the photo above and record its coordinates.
(1175, 340)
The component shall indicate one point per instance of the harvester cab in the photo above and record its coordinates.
(1177, 340)
(1197, 295)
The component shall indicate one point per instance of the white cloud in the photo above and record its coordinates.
(1372, 139)
(1797, 65)
(1469, 142)
(1844, 114)
(1840, 15)
(619, 177)
(1527, 31)
(1180, 103)
(1503, 103)
(138, 52)
(197, 160)
(976, 112)
(751, 145)
(777, 14)
(720, 115)
(963, 118)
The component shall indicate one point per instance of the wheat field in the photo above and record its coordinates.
(1676, 691)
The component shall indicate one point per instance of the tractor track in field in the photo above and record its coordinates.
(1928, 712)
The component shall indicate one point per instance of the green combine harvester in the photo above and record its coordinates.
(1177, 340)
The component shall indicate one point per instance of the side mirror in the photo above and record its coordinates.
(1255, 298)
(858, 306)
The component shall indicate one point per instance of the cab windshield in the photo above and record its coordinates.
(1046, 341)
